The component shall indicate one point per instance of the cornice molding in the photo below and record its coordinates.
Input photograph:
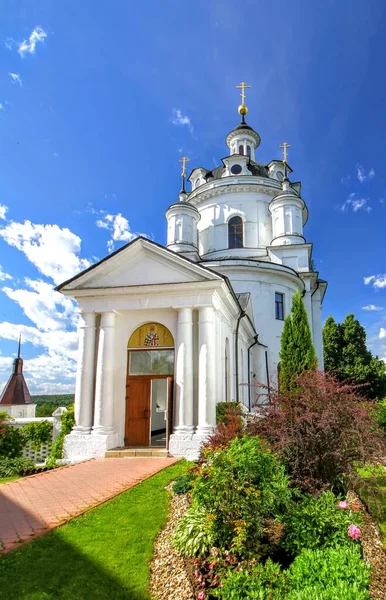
(234, 188)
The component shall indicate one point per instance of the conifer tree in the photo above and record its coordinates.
(297, 353)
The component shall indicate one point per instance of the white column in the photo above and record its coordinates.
(104, 386)
(206, 371)
(84, 388)
(184, 372)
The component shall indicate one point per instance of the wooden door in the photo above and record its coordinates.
(137, 426)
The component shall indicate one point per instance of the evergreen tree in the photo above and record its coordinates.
(346, 356)
(297, 352)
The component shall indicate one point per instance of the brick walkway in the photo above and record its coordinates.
(34, 505)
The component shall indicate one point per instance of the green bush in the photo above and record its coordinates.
(193, 536)
(329, 573)
(11, 441)
(380, 414)
(183, 484)
(224, 409)
(67, 420)
(38, 433)
(15, 466)
(316, 523)
(261, 582)
(239, 487)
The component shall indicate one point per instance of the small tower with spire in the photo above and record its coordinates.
(182, 218)
(16, 399)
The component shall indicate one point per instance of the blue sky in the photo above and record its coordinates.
(99, 99)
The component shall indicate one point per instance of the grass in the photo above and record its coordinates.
(373, 492)
(104, 554)
(7, 479)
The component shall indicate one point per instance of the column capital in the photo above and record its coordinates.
(185, 314)
(108, 319)
(87, 319)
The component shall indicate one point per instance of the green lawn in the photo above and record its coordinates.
(374, 494)
(7, 479)
(103, 555)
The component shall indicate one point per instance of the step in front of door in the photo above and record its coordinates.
(137, 452)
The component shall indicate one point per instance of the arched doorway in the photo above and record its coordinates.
(149, 386)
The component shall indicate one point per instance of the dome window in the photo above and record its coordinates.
(235, 233)
(241, 149)
(249, 152)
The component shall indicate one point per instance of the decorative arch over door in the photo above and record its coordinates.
(149, 386)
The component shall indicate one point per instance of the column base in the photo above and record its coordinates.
(187, 445)
(80, 430)
(204, 431)
(80, 447)
(183, 430)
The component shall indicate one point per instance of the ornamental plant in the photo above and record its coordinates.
(11, 438)
(323, 432)
(240, 487)
(230, 425)
(38, 433)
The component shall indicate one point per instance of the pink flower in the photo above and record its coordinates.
(343, 504)
(201, 595)
(354, 507)
(354, 532)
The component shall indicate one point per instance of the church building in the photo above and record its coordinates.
(167, 332)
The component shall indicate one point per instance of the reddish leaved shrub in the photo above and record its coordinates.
(323, 431)
(230, 427)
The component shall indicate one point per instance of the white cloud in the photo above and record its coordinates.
(119, 228)
(3, 210)
(9, 43)
(3, 275)
(371, 307)
(178, 118)
(16, 78)
(28, 46)
(382, 333)
(355, 204)
(2, 107)
(53, 250)
(361, 173)
(377, 281)
(346, 180)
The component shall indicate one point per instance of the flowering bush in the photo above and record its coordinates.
(262, 582)
(322, 432)
(313, 523)
(240, 487)
(230, 425)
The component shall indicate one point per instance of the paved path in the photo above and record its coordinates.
(34, 505)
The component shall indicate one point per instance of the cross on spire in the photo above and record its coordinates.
(183, 160)
(243, 86)
(284, 145)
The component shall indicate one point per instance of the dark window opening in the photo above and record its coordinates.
(249, 151)
(235, 233)
(279, 306)
(241, 149)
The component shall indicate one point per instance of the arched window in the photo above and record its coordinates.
(249, 151)
(241, 149)
(235, 233)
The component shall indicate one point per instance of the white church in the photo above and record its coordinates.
(169, 331)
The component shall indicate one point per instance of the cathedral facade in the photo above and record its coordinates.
(167, 332)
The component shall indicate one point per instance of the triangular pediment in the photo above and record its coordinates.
(141, 262)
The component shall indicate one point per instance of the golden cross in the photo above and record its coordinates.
(243, 86)
(285, 146)
(184, 160)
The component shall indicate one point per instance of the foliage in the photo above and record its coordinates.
(11, 440)
(225, 409)
(371, 488)
(297, 353)
(183, 483)
(45, 410)
(67, 421)
(239, 487)
(193, 536)
(38, 433)
(312, 523)
(346, 356)
(321, 432)
(117, 570)
(4, 416)
(15, 466)
(330, 573)
(380, 414)
(53, 400)
(259, 582)
(230, 425)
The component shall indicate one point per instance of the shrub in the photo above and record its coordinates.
(183, 484)
(239, 487)
(11, 439)
(67, 420)
(329, 574)
(193, 536)
(380, 414)
(38, 433)
(15, 466)
(316, 523)
(261, 582)
(230, 425)
(322, 431)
